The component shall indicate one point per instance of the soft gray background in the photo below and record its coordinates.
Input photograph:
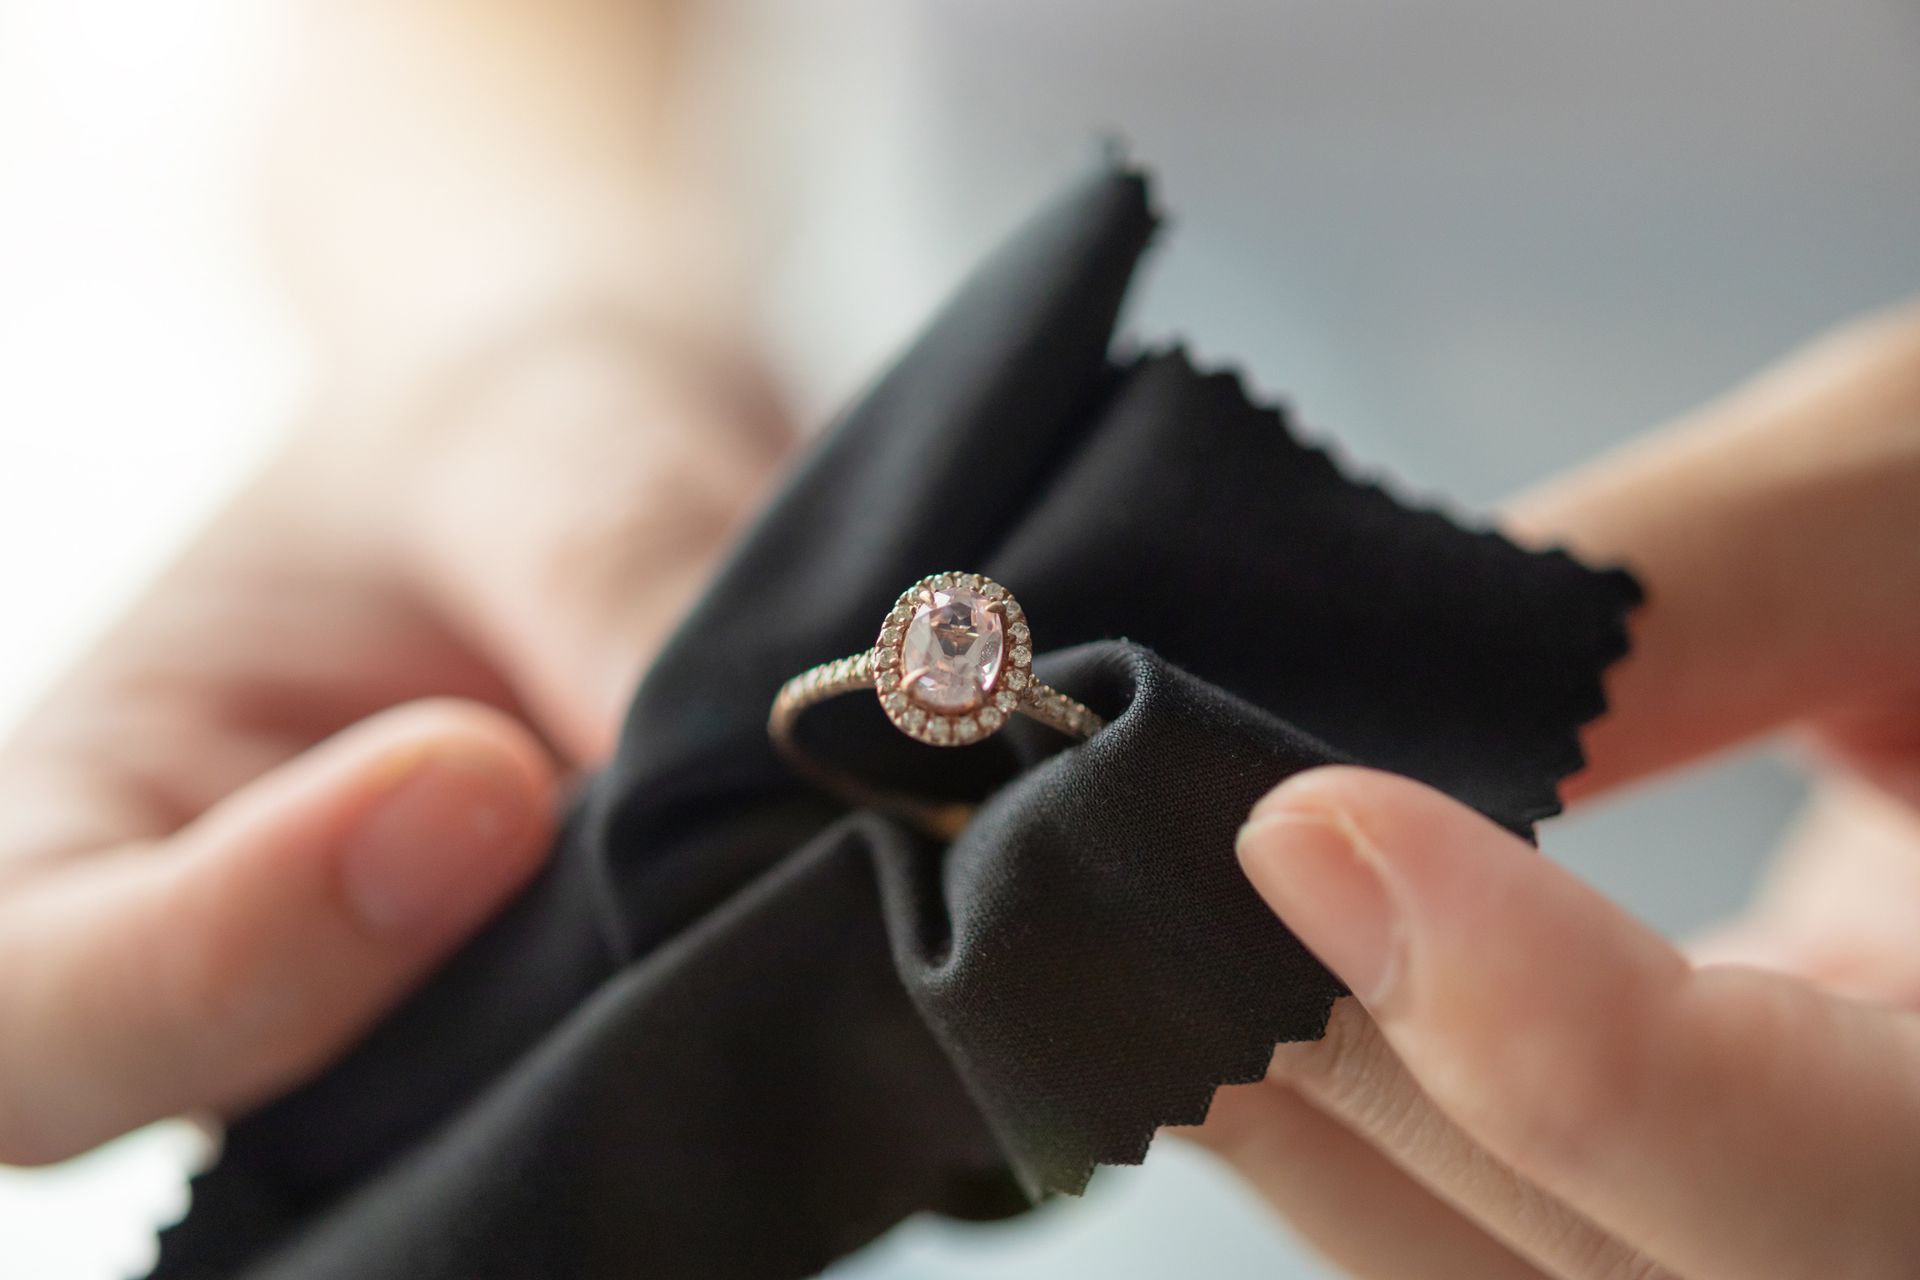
(1476, 241)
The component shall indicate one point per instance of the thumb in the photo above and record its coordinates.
(1727, 1122)
(240, 954)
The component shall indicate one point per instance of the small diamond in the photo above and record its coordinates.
(901, 614)
(1013, 610)
(1022, 655)
(1006, 699)
(966, 730)
(890, 637)
(916, 719)
(889, 681)
(1020, 633)
(1017, 679)
(989, 717)
(886, 658)
(940, 730)
(896, 702)
(996, 592)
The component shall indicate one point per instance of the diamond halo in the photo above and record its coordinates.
(953, 659)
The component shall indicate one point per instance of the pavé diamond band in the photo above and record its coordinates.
(952, 665)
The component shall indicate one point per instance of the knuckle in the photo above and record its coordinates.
(607, 543)
(615, 567)
(1246, 1122)
(1634, 1265)
(1321, 1064)
(1354, 1075)
(1608, 1259)
(1350, 1070)
(1580, 1248)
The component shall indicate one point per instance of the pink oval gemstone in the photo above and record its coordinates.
(953, 649)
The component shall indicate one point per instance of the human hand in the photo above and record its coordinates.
(1529, 1082)
(327, 744)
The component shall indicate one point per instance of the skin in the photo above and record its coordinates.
(327, 744)
(1528, 1082)
(325, 747)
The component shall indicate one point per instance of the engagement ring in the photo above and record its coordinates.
(952, 665)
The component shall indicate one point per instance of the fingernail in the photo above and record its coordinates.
(427, 855)
(1326, 884)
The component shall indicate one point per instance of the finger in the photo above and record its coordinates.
(1841, 905)
(1727, 1122)
(226, 963)
(1354, 1076)
(1877, 741)
(1774, 533)
(1350, 1202)
(593, 490)
(285, 622)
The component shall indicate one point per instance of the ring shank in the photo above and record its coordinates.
(856, 673)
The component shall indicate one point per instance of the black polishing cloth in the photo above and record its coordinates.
(737, 1030)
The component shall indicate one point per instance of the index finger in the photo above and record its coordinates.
(1777, 531)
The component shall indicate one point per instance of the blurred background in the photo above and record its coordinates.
(1472, 241)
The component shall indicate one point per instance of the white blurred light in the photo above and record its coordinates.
(142, 372)
(142, 367)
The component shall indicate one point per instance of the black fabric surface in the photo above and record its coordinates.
(736, 1030)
